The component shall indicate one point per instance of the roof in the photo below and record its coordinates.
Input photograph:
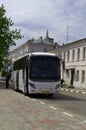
(33, 43)
(75, 42)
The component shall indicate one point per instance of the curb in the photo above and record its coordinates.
(75, 91)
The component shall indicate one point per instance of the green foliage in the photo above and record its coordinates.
(4, 73)
(7, 35)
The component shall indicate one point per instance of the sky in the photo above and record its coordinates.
(65, 20)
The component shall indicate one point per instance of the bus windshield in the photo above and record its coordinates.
(44, 67)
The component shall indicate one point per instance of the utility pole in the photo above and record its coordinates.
(67, 34)
(38, 32)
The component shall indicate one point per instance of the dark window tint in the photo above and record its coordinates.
(45, 68)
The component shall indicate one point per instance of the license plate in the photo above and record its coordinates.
(45, 91)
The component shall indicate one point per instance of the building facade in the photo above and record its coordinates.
(73, 63)
(39, 45)
(73, 55)
(73, 69)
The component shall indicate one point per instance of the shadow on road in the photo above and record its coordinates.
(63, 97)
(58, 97)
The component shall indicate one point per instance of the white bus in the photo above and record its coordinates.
(37, 73)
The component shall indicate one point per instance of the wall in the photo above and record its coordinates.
(72, 66)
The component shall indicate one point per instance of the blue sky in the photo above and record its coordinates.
(35, 17)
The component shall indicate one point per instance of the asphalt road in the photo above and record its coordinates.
(74, 103)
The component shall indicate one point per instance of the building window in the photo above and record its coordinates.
(68, 55)
(84, 53)
(77, 75)
(73, 55)
(67, 73)
(78, 54)
(83, 76)
(64, 56)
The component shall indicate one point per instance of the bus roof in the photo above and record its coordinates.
(37, 54)
(43, 53)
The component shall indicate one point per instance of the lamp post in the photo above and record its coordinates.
(67, 34)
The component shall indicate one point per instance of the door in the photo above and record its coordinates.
(72, 77)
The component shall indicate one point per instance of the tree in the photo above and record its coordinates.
(7, 36)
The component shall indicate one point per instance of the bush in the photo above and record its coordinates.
(4, 73)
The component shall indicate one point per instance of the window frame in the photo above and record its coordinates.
(77, 75)
(73, 55)
(83, 76)
(78, 54)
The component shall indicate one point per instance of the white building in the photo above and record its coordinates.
(40, 45)
(74, 67)
(73, 55)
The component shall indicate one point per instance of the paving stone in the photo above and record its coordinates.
(18, 112)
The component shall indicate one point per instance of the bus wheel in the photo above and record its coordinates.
(16, 87)
(25, 91)
(50, 95)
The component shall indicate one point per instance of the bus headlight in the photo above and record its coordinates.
(57, 86)
(32, 85)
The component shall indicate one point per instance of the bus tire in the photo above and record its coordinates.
(26, 83)
(50, 95)
(25, 90)
(17, 82)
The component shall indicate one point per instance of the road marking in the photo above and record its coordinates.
(67, 114)
(34, 99)
(42, 102)
(66, 90)
(83, 92)
(71, 90)
(52, 107)
(77, 91)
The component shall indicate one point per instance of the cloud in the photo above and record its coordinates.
(52, 15)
